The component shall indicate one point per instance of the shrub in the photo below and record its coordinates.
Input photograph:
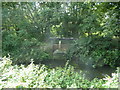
(39, 76)
(97, 51)
(23, 48)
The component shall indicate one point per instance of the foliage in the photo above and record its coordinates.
(39, 76)
(26, 27)
(22, 48)
(95, 51)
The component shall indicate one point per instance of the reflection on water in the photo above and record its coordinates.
(89, 72)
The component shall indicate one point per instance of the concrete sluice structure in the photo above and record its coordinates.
(60, 46)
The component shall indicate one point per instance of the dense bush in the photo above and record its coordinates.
(22, 47)
(39, 76)
(97, 51)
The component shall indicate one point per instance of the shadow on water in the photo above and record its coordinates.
(100, 72)
(89, 72)
(54, 63)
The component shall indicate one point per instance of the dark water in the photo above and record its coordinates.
(100, 72)
(89, 72)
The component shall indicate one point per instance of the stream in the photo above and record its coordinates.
(89, 72)
(59, 46)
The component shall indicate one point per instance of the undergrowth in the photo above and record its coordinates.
(39, 76)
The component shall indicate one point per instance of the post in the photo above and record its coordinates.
(59, 44)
